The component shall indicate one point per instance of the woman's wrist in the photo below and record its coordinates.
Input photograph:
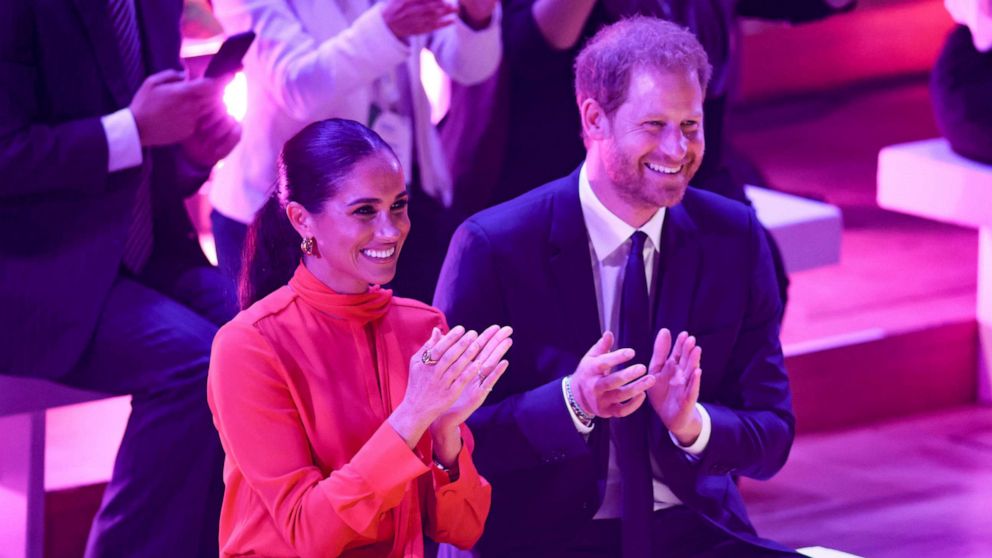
(447, 441)
(408, 423)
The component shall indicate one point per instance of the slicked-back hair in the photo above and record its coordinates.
(604, 67)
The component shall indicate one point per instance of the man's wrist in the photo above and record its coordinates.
(574, 406)
(123, 140)
(689, 434)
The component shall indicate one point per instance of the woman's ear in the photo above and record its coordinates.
(300, 218)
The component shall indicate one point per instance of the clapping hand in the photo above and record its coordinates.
(406, 18)
(676, 391)
(440, 384)
(604, 393)
(487, 368)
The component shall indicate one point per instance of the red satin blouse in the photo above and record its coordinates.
(300, 386)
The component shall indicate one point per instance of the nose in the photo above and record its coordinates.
(388, 229)
(674, 144)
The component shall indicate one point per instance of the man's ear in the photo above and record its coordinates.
(595, 123)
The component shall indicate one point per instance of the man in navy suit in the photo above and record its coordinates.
(103, 285)
(601, 445)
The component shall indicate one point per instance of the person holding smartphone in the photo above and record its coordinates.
(355, 59)
(103, 285)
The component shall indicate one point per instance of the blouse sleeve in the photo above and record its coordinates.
(457, 510)
(263, 437)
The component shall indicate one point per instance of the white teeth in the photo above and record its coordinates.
(380, 254)
(663, 169)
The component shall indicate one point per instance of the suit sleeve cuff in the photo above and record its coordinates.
(123, 141)
(579, 425)
(699, 446)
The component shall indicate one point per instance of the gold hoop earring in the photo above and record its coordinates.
(307, 245)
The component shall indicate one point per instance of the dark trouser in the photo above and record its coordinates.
(229, 240)
(678, 532)
(154, 343)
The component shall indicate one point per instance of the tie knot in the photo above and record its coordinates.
(637, 241)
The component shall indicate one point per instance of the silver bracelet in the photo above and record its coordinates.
(584, 417)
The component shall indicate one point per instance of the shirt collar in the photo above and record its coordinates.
(607, 232)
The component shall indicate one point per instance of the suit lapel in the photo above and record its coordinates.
(678, 271)
(571, 267)
(95, 15)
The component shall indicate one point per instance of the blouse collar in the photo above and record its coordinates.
(363, 307)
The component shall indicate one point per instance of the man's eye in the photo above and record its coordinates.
(690, 126)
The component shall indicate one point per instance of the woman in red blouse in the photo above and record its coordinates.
(340, 407)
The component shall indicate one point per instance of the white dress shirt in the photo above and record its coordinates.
(609, 245)
(123, 141)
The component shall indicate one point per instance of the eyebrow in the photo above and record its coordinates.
(362, 201)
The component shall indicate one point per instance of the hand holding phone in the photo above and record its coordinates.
(227, 61)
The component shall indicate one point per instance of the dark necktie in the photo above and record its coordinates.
(138, 245)
(630, 434)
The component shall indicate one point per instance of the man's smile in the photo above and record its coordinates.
(662, 169)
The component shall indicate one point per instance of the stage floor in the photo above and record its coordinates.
(910, 487)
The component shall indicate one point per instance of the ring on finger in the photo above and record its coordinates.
(427, 359)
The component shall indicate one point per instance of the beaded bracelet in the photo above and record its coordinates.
(583, 416)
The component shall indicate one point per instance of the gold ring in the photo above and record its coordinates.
(427, 359)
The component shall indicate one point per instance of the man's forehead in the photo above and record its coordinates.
(652, 91)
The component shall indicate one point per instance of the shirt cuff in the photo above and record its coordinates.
(579, 425)
(699, 446)
(123, 141)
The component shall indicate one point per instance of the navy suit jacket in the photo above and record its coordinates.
(63, 216)
(527, 264)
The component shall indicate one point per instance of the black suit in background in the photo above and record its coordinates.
(69, 311)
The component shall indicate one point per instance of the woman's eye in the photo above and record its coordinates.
(399, 204)
(365, 210)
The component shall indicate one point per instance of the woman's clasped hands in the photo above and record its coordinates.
(449, 379)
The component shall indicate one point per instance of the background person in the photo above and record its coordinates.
(360, 60)
(103, 285)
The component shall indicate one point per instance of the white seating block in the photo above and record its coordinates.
(23, 403)
(927, 179)
(808, 232)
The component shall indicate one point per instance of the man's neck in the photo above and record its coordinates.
(608, 194)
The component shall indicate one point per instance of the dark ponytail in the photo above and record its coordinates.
(311, 167)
